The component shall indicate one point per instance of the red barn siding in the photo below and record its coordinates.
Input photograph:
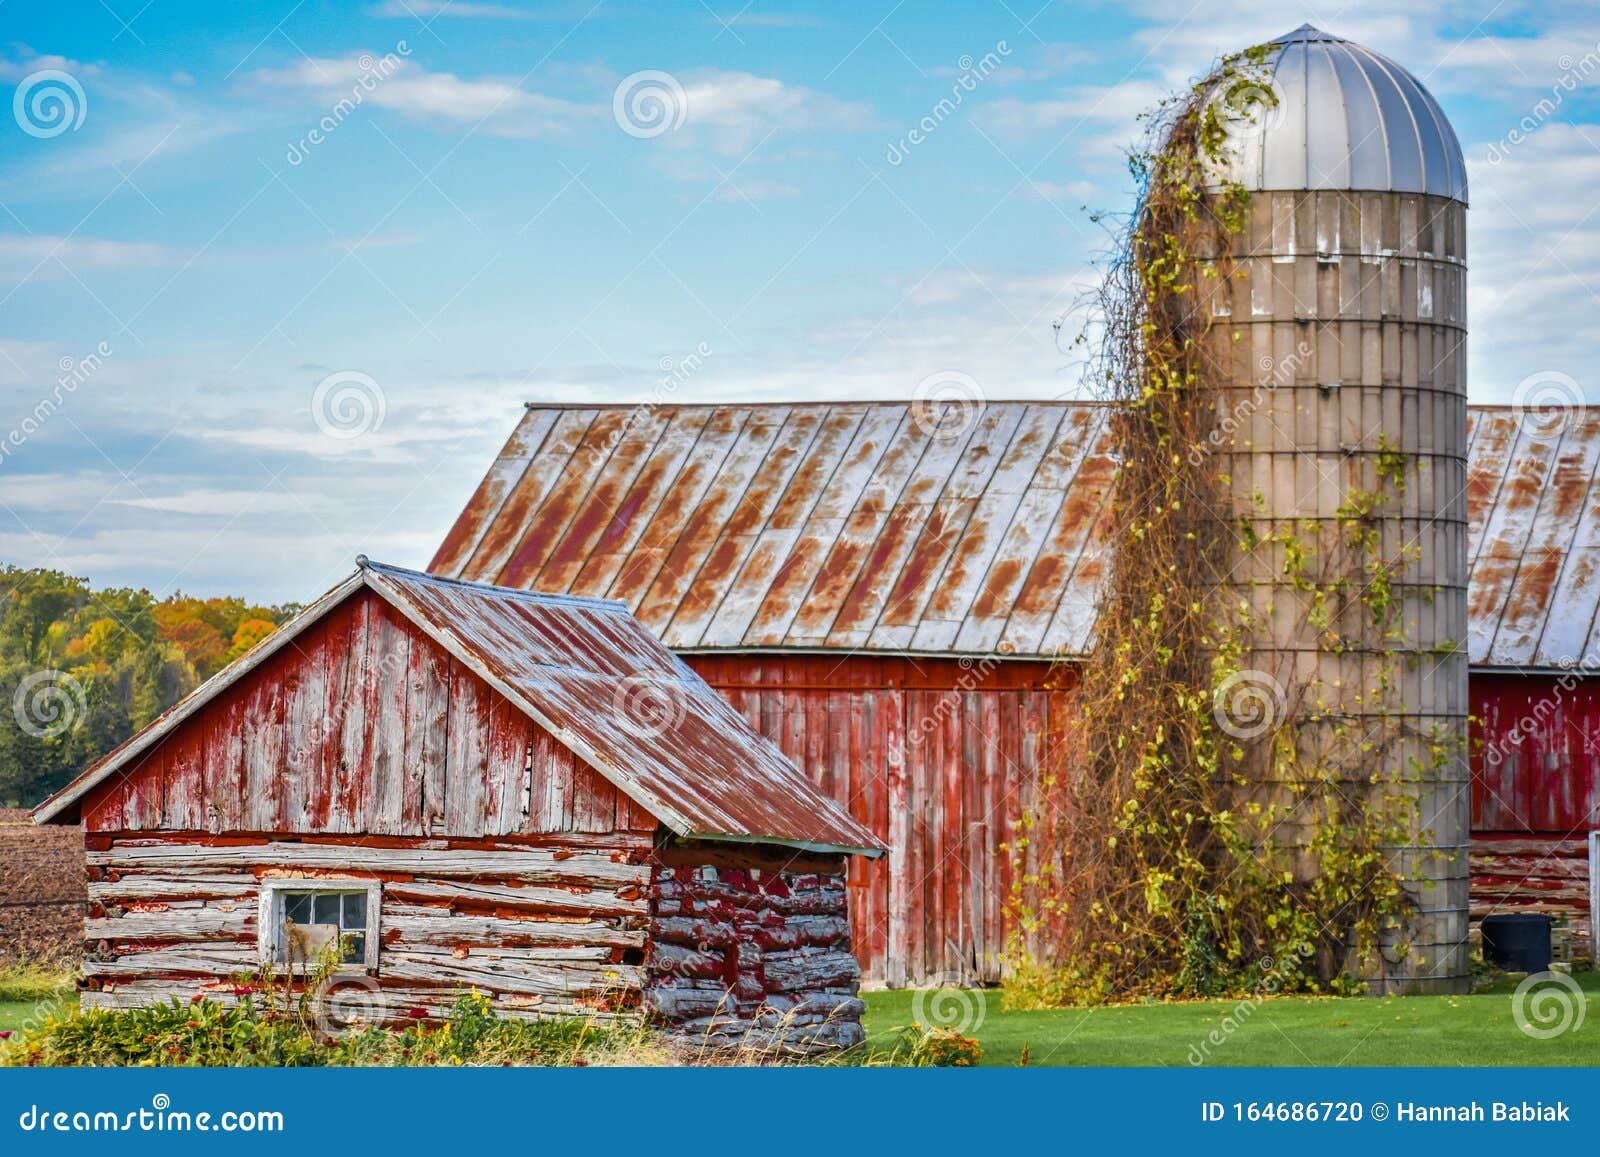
(934, 756)
(1536, 752)
(363, 725)
(1535, 794)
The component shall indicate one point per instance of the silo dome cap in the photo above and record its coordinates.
(1341, 116)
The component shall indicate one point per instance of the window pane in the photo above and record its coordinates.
(355, 947)
(325, 908)
(298, 908)
(355, 910)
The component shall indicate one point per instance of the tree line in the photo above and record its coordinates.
(82, 669)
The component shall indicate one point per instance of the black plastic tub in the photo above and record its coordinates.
(1517, 942)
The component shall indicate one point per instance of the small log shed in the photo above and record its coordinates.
(466, 786)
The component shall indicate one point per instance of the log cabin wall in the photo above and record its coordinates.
(750, 945)
(541, 925)
(938, 758)
(1535, 795)
(364, 751)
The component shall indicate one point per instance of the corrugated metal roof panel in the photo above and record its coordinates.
(879, 528)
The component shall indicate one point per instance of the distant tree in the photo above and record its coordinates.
(82, 669)
(248, 634)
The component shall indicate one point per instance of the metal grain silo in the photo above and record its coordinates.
(1347, 338)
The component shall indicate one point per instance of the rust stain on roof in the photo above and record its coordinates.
(855, 525)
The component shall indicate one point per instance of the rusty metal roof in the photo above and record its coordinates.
(590, 674)
(1533, 537)
(942, 529)
(899, 527)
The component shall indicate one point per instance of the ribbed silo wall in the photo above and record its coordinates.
(1349, 326)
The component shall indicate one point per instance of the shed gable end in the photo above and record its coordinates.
(362, 724)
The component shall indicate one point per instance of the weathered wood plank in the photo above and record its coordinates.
(440, 931)
(531, 897)
(565, 979)
(181, 886)
(215, 960)
(175, 924)
(524, 865)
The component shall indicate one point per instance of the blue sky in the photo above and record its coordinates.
(444, 210)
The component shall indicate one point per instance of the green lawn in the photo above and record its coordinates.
(14, 1012)
(1414, 1030)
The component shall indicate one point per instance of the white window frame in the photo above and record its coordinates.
(268, 926)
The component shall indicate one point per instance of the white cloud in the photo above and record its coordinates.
(1118, 105)
(733, 111)
(503, 108)
(21, 254)
(1534, 260)
(27, 62)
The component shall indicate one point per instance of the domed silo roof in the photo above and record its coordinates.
(1345, 117)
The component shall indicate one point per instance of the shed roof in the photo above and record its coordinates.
(942, 529)
(591, 675)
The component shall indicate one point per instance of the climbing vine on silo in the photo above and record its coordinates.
(1172, 849)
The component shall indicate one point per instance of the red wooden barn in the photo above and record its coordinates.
(454, 786)
(898, 596)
